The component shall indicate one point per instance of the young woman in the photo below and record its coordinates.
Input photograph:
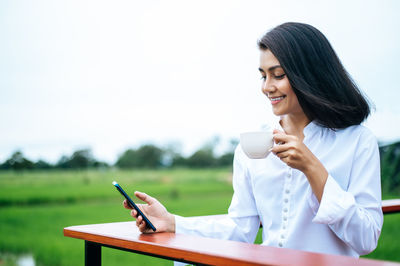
(319, 190)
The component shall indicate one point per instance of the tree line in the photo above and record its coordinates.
(145, 156)
(151, 156)
(390, 168)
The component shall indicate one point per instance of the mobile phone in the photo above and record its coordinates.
(133, 205)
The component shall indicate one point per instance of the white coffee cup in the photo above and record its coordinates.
(257, 144)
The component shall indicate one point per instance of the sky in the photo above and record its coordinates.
(112, 75)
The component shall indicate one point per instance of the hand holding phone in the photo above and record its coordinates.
(133, 205)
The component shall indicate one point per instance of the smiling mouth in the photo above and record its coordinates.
(275, 100)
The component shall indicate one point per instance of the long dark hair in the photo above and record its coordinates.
(326, 92)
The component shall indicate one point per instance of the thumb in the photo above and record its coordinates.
(146, 198)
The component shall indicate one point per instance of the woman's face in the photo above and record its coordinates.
(276, 86)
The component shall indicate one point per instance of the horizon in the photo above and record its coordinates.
(218, 151)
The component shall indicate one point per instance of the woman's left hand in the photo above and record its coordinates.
(292, 151)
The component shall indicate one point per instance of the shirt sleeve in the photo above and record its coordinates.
(355, 215)
(241, 223)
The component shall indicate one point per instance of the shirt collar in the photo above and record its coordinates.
(308, 130)
(311, 127)
(311, 130)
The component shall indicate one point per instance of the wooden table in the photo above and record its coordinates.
(196, 250)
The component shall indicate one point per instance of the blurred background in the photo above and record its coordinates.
(156, 93)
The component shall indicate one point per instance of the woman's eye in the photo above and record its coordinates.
(263, 77)
(280, 76)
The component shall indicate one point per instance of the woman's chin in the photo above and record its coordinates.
(277, 112)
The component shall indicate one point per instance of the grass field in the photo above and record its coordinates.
(36, 206)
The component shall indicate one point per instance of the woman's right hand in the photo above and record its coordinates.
(155, 212)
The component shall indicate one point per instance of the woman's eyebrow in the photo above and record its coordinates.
(270, 69)
(274, 67)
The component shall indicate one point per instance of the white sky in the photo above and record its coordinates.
(110, 75)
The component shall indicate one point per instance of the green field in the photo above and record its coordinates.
(36, 206)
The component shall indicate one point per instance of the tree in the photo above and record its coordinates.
(17, 161)
(81, 159)
(390, 167)
(202, 158)
(99, 164)
(41, 164)
(128, 159)
(227, 158)
(63, 163)
(178, 161)
(148, 156)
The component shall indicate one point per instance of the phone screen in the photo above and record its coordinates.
(133, 205)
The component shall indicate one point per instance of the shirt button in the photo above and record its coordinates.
(284, 227)
(285, 210)
(284, 218)
(280, 244)
(286, 200)
(287, 191)
(283, 236)
(289, 175)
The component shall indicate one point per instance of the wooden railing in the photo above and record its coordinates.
(199, 250)
(391, 206)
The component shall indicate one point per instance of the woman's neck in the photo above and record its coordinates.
(294, 125)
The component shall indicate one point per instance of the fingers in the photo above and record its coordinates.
(139, 220)
(281, 137)
(141, 224)
(126, 205)
(280, 148)
(134, 213)
(146, 198)
(283, 155)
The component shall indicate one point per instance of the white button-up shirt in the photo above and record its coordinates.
(347, 221)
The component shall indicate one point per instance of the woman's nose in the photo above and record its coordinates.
(267, 87)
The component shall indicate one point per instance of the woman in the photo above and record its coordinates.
(319, 190)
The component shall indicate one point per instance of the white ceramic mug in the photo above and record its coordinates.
(256, 144)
